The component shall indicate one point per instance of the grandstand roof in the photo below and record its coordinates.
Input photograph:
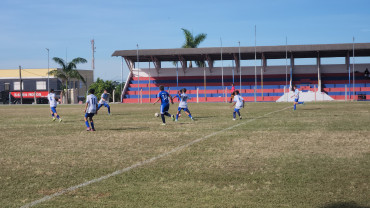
(230, 53)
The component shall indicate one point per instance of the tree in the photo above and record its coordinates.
(100, 85)
(193, 42)
(68, 71)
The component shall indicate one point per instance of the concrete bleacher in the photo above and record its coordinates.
(147, 89)
(335, 86)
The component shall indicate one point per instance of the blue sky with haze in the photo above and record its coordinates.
(66, 27)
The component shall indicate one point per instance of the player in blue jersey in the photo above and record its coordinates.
(183, 105)
(238, 103)
(104, 101)
(178, 95)
(296, 97)
(91, 109)
(165, 98)
(53, 105)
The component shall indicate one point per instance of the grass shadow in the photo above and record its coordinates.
(344, 205)
(309, 109)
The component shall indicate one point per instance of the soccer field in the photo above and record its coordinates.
(317, 156)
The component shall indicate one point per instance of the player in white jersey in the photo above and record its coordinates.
(53, 105)
(183, 105)
(296, 97)
(91, 109)
(104, 101)
(238, 103)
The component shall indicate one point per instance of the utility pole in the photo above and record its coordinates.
(20, 83)
(93, 56)
(48, 71)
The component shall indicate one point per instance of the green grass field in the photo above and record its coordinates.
(317, 156)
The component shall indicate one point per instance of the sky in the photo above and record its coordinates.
(66, 27)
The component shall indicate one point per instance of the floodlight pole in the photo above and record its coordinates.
(121, 79)
(138, 73)
(48, 71)
(353, 71)
(222, 70)
(240, 70)
(286, 63)
(255, 63)
(177, 74)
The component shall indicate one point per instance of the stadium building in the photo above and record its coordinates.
(35, 85)
(251, 71)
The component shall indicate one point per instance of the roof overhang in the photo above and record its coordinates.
(247, 53)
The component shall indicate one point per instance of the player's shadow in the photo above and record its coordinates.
(343, 205)
(128, 128)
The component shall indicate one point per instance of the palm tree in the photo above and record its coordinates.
(68, 71)
(193, 42)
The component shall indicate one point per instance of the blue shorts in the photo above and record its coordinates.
(236, 110)
(185, 109)
(53, 109)
(164, 108)
(89, 115)
(296, 100)
(105, 105)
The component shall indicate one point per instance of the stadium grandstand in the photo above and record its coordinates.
(210, 82)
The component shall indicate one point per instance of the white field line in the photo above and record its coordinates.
(118, 172)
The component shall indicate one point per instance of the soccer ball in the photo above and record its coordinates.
(156, 114)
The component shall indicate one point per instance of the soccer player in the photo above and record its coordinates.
(238, 103)
(91, 109)
(183, 105)
(53, 105)
(178, 95)
(104, 101)
(232, 92)
(296, 97)
(165, 104)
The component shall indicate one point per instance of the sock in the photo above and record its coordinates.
(300, 102)
(163, 119)
(58, 117)
(108, 109)
(167, 114)
(52, 115)
(177, 116)
(92, 125)
(234, 114)
(190, 116)
(87, 124)
(295, 107)
(238, 113)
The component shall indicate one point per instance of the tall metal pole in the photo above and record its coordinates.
(349, 75)
(20, 83)
(93, 56)
(150, 95)
(240, 71)
(48, 71)
(177, 74)
(138, 73)
(353, 71)
(232, 66)
(255, 62)
(222, 70)
(286, 62)
(121, 79)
